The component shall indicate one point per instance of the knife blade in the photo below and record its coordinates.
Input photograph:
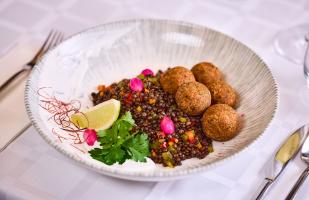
(280, 159)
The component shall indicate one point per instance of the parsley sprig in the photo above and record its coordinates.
(118, 145)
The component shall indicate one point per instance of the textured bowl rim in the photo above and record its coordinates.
(157, 176)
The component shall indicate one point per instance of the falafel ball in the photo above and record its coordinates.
(206, 72)
(222, 92)
(193, 98)
(173, 78)
(220, 122)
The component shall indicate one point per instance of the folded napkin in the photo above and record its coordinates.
(13, 117)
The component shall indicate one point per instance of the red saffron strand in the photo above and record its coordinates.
(77, 154)
(77, 148)
(59, 136)
(61, 112)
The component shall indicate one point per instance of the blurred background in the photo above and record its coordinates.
(253, 22)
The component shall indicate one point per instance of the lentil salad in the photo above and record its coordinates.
(148, 108)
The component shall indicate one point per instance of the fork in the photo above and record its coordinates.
(53, 38)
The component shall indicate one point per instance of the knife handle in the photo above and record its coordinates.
(297, 185)
(264, 187)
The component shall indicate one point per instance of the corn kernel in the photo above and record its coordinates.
(139, 109)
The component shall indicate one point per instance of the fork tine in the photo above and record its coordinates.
(52, 42)
(42, 48)
(59, 38)
(52, 39)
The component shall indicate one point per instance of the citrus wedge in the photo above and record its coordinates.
(99, 117)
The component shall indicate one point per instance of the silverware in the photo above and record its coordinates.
(304, 155)
(280, 160)
(53, 38)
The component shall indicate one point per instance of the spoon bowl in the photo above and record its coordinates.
(305, 152)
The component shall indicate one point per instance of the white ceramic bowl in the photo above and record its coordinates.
(108, 53)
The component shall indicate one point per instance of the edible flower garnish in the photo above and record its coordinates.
(118, 144)
(167, 125)
(90, 136)
(147, 71)
(136, 84)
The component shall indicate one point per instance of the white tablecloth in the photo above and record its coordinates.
(31, 169)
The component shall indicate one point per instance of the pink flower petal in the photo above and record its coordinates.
(167, 125)
(136, 84)
(242, 115)
(90, 136)
(147, 71)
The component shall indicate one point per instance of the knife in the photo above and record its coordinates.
(279, 161)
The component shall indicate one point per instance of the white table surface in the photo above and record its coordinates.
(31, 169)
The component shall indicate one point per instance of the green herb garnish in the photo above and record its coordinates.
(118, 145)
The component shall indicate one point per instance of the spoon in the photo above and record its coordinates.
(304, 155)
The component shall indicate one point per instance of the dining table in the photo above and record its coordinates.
(32, 169)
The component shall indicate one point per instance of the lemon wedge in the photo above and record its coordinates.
(99, 117)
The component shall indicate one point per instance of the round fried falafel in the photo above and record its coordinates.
(173, 78)
(222, 93)
(193, 98)
(220, 122)
(206, 72)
